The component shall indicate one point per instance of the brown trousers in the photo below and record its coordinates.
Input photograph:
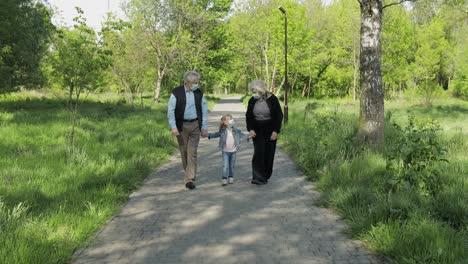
(188, 144)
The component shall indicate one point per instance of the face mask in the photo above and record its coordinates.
(231, 122)
(256, 95)
(194, 87)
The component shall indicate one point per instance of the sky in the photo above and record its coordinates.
(94, 11)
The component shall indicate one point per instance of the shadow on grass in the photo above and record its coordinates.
(51, 110)
(440, 111)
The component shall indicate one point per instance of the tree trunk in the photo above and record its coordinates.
(70, 95)
(74, 113)
(267, 65)
(157, 91)
(355, 66)
(371, 119)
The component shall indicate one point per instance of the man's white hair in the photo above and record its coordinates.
(258, 85)
(191, 76)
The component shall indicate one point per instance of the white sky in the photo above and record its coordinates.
(94, 11)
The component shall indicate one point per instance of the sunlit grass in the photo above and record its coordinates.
(405, 226)
(62, 194)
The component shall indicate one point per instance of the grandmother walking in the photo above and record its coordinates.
(264, 118)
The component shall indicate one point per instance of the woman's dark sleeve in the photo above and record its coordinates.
(249, 117)
(278, 118)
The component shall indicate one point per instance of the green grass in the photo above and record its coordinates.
(53, 197)
(405, 226)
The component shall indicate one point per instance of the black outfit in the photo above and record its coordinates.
(179, 93)
(264, 147)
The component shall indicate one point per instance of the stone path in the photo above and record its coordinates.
(240, 223)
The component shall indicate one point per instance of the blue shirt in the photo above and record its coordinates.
(190, 109)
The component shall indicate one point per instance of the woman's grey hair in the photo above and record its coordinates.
(258, 85)
(191, 76)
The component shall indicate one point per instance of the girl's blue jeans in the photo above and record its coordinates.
(229, 161)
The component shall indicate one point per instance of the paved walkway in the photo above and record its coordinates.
(240, 223)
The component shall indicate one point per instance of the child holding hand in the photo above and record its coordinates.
(229, 140)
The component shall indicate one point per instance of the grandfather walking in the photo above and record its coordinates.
(187, 113)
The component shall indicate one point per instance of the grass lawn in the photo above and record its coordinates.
(54, 196)
(404, 225)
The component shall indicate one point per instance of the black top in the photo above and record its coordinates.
(275, 109)
(181, 100)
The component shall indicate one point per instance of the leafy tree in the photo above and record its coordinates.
(429, 56)
(25, 33)
(398, 45)
(78, 62)
(130, 57)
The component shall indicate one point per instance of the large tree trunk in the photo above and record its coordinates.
(371, 119)
(355, 70)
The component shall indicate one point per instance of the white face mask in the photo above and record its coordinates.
(231, 122)
(256, 95)
(194, 87)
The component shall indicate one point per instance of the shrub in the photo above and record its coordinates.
(413, 157)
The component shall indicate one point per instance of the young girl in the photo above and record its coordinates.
(229, 140)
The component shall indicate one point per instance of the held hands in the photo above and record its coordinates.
(252, 134)
(175, 132)
(274, 136)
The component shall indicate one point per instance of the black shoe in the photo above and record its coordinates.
(190, 185)
(257, 182)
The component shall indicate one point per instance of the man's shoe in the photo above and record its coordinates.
(190, 185)
(224, 182)
(231, 180)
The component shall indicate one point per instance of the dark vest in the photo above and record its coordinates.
(179, 94)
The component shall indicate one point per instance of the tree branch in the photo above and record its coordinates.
(359, 1)
(398, 3)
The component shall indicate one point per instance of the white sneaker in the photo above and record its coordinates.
(231, 180)
(225, 182)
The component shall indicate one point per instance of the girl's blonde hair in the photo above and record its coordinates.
(222, 125)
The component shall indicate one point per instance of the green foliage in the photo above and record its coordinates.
(405, 225)
(412, 160)
(53, 196)
(76, 59)
(397, 49)
(25, 32)
(128, 45)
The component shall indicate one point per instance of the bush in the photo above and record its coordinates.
(460, 88)
(413, 157)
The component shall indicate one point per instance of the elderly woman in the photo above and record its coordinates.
(264, 118)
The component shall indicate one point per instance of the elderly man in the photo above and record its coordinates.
(188, 118)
